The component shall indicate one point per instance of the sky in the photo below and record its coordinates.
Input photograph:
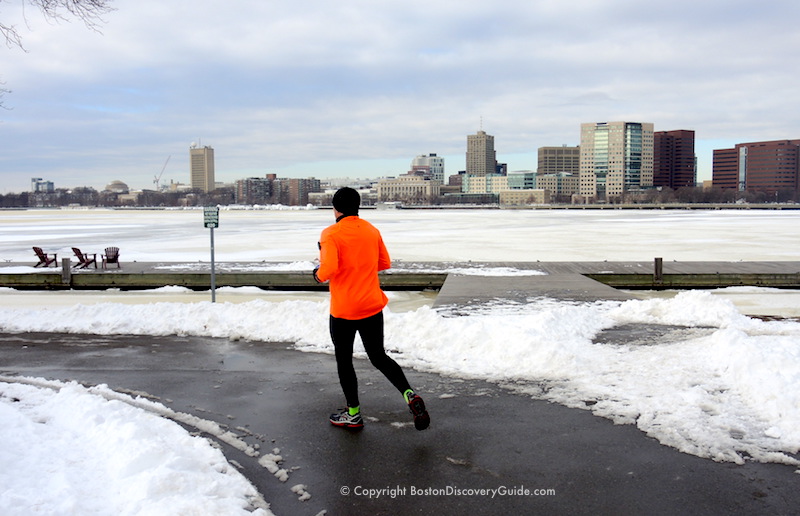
(359, 88)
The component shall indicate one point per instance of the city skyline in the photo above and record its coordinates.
(293, 90)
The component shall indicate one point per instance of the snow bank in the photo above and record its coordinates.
(725, 386)
(70, 450)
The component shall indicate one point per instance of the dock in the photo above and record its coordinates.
(466, 282)
(467, 291)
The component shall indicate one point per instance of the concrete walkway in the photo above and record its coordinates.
(462, 292)
(481, 436)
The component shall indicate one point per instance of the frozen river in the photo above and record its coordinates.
(413, 235)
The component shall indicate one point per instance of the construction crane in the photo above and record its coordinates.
(157, 179)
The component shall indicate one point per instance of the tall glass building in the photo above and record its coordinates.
(615, 158)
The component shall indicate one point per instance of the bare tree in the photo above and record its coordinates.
(89, 11)
(3, 91)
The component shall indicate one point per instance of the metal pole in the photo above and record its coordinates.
(213, 277)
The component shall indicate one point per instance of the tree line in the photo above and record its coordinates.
(89, 197)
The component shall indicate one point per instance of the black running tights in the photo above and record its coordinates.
(343, 334)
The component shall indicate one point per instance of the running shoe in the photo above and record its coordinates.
(417, 407)
(345, 420)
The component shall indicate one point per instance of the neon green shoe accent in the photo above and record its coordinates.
(353, 410)
(407, 394)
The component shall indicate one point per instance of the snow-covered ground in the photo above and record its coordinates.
(72, 450)
(710, 382)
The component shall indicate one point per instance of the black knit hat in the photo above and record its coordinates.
(346, 201)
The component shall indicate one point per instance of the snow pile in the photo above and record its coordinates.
(299, 266)
(23, 269)
(483, 270)
(711, 382)
(308, 266)
(70, 450)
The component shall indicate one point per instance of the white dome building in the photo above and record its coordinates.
(117, 187)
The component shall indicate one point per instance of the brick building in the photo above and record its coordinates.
(273, 190)
(769, 167)
(674, 160)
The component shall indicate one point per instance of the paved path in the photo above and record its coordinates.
(481, 436)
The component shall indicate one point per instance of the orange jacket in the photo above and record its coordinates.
(351, 254)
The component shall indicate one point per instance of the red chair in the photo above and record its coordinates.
(44, 259)
(111, 256)
(84, 260)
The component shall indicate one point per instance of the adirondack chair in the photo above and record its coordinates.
(111, 256)
(84, 259)
(44, 259)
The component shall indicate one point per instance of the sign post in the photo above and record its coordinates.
(211, 221)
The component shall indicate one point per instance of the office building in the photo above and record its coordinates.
(725, 169)
(408, 188)
(488, 184)
(769, 167)
(481, 157)
(674, 161)
(524, 197)
(616, 158)
(561, 185)
(39, 185)
(201, 162)
(553, 160)
(431, 166)
(522, 180)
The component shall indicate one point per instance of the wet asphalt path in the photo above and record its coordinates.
(481, 436)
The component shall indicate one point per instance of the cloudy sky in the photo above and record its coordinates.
(359, 87)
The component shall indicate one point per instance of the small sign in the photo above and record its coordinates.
(211, 216)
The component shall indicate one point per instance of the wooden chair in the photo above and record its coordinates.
(44, 259)
(111, 256)
(84, 260)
